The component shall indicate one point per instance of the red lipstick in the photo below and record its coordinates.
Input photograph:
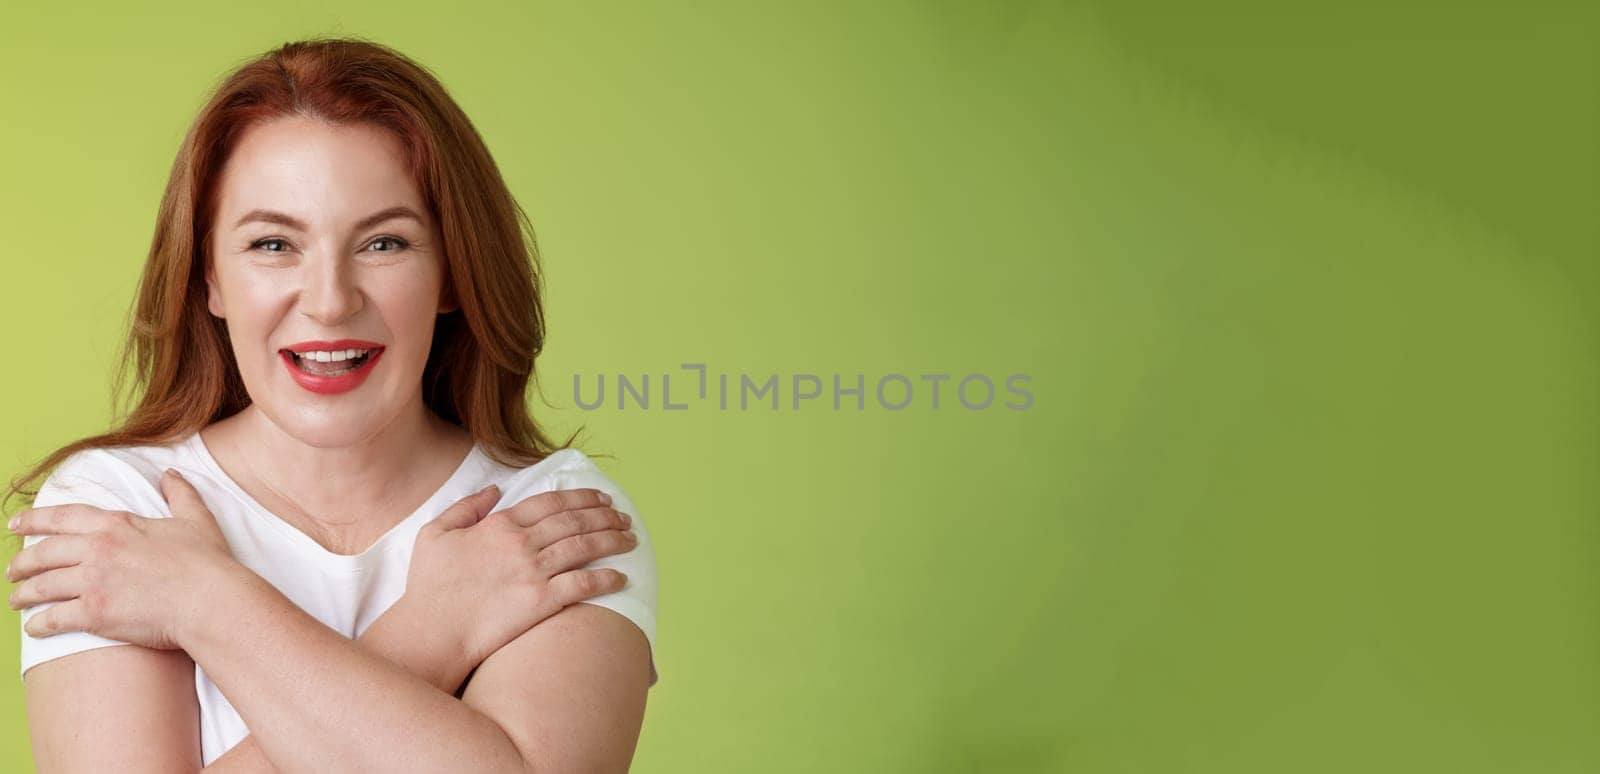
(331, 385)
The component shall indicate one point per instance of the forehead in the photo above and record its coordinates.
(323, 173)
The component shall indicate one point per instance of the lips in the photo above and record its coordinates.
(329, 346)
(331, 384)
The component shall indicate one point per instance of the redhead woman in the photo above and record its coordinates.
(328, 536)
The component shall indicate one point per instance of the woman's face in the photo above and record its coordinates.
(321, 236)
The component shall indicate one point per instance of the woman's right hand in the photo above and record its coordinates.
(493, 577)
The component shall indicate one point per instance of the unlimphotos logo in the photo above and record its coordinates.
(892, 391)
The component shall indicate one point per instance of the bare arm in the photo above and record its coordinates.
(571, 691)
(400, 635)
(311, 696)
(597, 662)
(135, 705)
(142, 708)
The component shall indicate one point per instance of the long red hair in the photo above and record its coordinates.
(482, 359)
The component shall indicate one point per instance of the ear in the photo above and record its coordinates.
(213, 293)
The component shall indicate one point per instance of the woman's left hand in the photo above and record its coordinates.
(119, 575)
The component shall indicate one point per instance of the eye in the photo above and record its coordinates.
(274, 240)
(399, 244)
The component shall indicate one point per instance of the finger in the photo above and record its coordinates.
(48, 554)
(53, 586)
(578, 585)
(539, 506)
(468, 510)
(69, 519)
(182, 497)
(568, 523)
(68, 616)
(579, 550)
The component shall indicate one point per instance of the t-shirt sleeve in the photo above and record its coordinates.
(636, 601)
(94, 478)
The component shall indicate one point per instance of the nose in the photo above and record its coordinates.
(330, 294)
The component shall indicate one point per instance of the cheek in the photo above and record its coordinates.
(408, 307)
(247, 303)
(254, 309)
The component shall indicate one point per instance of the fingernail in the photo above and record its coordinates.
(626, 519)
(169, 473)
(13, 523)
(492, 487)
(605, 498)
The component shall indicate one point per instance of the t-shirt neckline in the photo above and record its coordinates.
(428, 509)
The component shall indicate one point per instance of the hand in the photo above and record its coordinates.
(116, 574)
(493, 578)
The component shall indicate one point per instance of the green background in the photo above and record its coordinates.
(1307, 298)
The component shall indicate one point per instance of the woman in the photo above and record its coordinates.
(366, 556)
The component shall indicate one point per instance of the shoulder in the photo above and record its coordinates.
(556, 471)
(572, 469)
(565, 469)
(113, 478)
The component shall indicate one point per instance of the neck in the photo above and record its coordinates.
(341, 485)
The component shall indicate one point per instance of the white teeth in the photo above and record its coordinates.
(333, 357)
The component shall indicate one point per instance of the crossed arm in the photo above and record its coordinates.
(567, 695)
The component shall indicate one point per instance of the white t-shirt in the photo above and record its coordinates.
(345, 592)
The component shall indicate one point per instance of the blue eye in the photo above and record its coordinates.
(400, 244)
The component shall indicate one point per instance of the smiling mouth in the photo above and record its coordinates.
(330, 368)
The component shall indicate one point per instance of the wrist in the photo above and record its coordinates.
(219, 592)
(418, 639)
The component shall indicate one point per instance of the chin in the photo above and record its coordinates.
(330, 426)
(320, 435)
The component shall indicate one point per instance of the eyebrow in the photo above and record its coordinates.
(272, 216)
